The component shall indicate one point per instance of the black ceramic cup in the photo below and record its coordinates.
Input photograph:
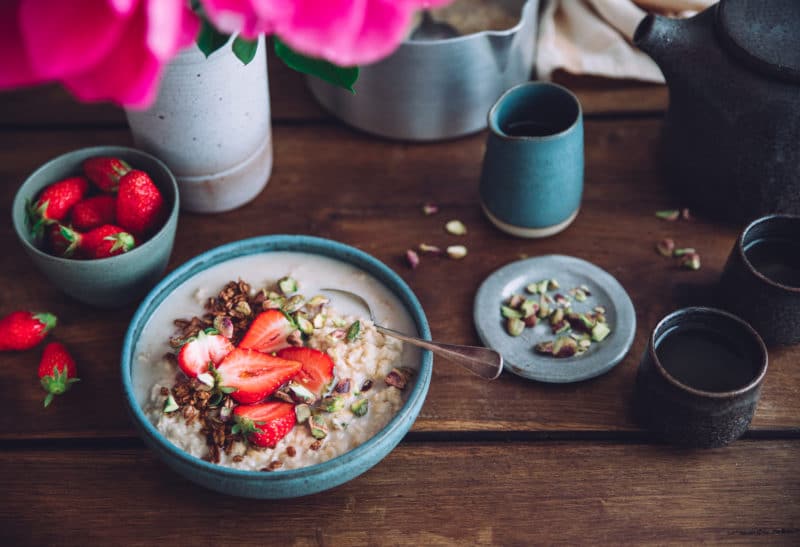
(700, 378)
(761, 280)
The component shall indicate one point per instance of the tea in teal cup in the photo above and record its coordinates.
(532, 178)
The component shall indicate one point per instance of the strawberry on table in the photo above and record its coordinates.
(253, 375)
(316, 373)
(197, 352)
(55, 203)
(93, 212)
(268, 332)
(103, 242)
(57, 371)
(21, 330)
(139, 204)
(105, 172)
(264, 424)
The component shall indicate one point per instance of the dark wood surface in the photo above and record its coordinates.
(481, 464)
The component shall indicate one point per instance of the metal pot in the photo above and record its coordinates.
(437, 89)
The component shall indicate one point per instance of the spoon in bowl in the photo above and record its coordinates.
(484, 362)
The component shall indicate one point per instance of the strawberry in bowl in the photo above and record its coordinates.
(66, 213)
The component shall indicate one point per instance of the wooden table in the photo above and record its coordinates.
(503, 462)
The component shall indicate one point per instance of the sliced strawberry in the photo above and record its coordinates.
(264, 424)
(268, 332)
(317, 372)
(198, 351)
(254, 375)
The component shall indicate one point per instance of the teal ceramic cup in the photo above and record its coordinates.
(532, 178)
(109, 282)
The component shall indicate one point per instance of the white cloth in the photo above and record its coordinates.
(594, 36)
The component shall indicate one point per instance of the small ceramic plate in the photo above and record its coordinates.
(570, 272)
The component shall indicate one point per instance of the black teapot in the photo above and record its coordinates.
(732, 131)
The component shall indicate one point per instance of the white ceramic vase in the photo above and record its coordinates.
(211, 125)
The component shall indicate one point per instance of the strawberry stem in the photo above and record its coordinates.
(48, 320)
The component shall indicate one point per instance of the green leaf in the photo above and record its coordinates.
(210, 39)
(244, 50)
(341, 76)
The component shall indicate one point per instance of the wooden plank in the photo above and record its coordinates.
(422, 494)
(291, 101)
(333, 182)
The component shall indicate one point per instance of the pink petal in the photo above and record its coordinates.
(248, 17)
(15, 67)
(171, 26)
(122, 7)
(65, 38)
(129, 75)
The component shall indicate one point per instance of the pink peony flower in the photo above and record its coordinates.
(344, 32)
(99, 49)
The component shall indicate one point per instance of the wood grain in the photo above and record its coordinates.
(333, 182)
(422, 494)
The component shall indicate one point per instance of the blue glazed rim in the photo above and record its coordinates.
(398, 425)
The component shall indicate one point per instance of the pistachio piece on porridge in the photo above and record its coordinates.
(354, 331)
(305, 326)
(301, 393)
(295, 339)
(332, 404)
(360, 407)
(294, 303)
(396, 378)
(224, 325)
(170, 405)
(366, 386)
(287, 285)
(319, 321)
(302, 413)
(343, 386)
(318, 301)
(317, 427)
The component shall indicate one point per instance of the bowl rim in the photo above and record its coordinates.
(105, 150)
(267, 244)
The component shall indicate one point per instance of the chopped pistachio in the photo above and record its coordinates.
(397, 378)
(543, 286)
(244, 308)
(455, 227)
(683, 251)
(587, 321)
(545, 348)
(668, 214)
(294, 303)
(544, 307)
(600, 309)
(412, 258)
(332, 404)
(561, 327)
(170, 405)
(206, 378)
(317, 426)
(580, 295)
(665, 247)
(224, 325)
(456, 252)
(533, 288)
(586, 290)
(354, 331)
(508, 312)
(429, 249)
(600, 331)
(318, 301)
(339, 322)
(564, 346)
(557, 316)
(516, 301)
(305, 326)
(319, 321)
(360, 407)
(561, 300)
(553, 285)
(515, 326)
(301, 393)
(302, 412)
(531, 320)
(429, 209)
(600, 318)
(287, 285)
(691, 261)
(529, 308)
(585, 344)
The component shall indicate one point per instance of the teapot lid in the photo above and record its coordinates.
(763, 34)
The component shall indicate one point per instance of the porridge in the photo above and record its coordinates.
(337, 380)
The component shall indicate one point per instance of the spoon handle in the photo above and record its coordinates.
(484, 362)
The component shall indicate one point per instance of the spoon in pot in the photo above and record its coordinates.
(484, 362)
(431, 29)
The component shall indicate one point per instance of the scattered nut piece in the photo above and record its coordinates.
(429, 249)
(429, 209)
(360, 407)
(545, 348)
(686, 214)
(510, 313)
(515, 326)
(455, 227)
(691, 261)
(170, 405)
(669, 214)
(343, 386)
(291, 451)
(564, 346)
(354, 331)
(412, 258)
(600, 331)
(456, 252)
(287, 285)
(665, 247)
(553, 285)
(683, 252)
(317, 427)
(516, 301)
(366, 386)
(295, 338)
(397, 378)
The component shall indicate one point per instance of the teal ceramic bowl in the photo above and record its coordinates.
(110, 282)
(279, 484)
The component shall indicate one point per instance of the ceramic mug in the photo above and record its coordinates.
(761, 280)
(532, 178)
(700, 378)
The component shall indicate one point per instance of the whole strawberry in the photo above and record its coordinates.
(139, 204)
(57, 371)
(105, 172)
(93, 212)
(21, 330)
(102, 242)
(55, 203)
(57, 243)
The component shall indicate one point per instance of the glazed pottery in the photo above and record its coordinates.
(532, 178)
(702, 397)
(109, 282)
(290, 482)
(731, 131)
(762, 293)
(211, 125)
(437, 88)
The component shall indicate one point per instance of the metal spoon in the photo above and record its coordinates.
(484, 362)
(431, 29)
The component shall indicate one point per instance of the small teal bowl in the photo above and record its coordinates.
(110, 282)
(293, 482)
